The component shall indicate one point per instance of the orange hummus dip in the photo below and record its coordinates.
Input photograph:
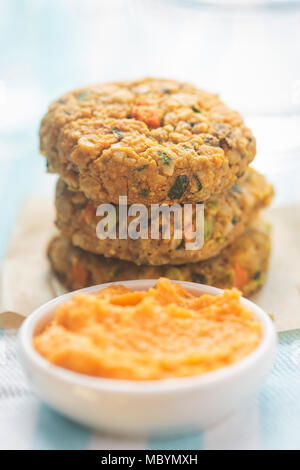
(161, 333)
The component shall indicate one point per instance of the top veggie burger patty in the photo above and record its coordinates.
(151, 140)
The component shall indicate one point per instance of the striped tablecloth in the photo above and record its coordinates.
(271, 420)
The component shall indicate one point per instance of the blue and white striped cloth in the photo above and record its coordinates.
(271, 420)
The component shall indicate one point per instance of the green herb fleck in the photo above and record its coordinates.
(117, 133)
(257, 275)
(195, 109)
(181, 245)
(211, 204)
(73, 189)
(268, 227)
(179, 187)
(235, 219)
(116, 270)
(236, 188)
(174, 273)
(165, 157)
(83, 95)
(229, 277)
(49, 167)
(145, 192)
(198, 182)
(209, 226)
(142, 168)
(199, 278)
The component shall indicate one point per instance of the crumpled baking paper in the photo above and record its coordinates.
(27, 282)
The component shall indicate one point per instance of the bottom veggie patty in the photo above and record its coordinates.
(242, 264)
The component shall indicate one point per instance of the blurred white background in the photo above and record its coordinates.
(247, 50)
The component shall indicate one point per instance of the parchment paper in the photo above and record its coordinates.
(27, 282)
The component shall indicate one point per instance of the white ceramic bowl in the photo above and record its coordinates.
(163, 407)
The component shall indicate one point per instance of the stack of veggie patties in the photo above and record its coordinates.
(157, 142)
